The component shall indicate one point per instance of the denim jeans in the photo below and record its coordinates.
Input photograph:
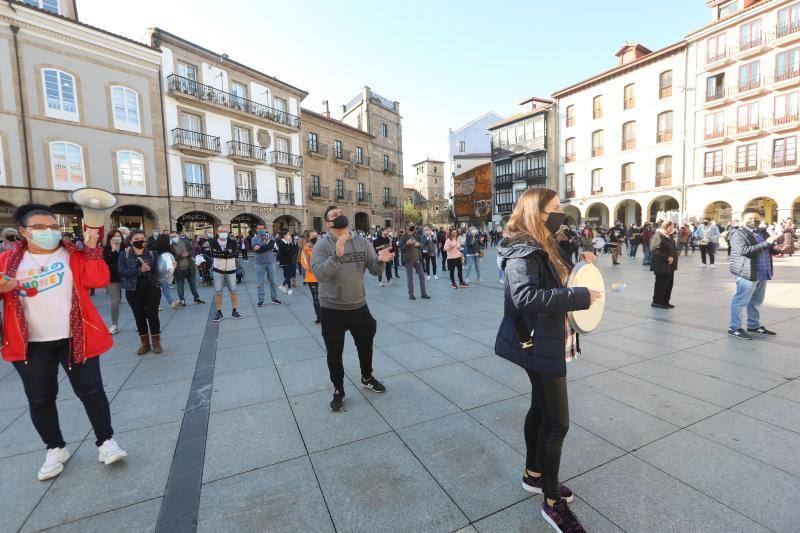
(749, 294)
(184, 275)
(473, 260)
(269, 270)
(166, 289)
(632, 249)
(646, 252)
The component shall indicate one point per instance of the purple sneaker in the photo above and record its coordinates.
(534, 486)
(561, 518)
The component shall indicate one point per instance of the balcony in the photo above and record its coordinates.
(783, 123)
(364, 197)
(663, 180)
(362, 161)
(597, 151)
(785, 164)
(196, 190)
(390, 168)
(342, 156)
(569, 194)
(752, 47)
(597, 189)
(786, 34)
(718, 97)
(569, 158)
(505, 208)
(628, 144)
(246, 195)
(286, 198)
(536, 177)
(628, 103)
(627, 185)
(714, 138)
(718, 59)
(390, 201)
(746, 170)
(712, 174)
(195, 143)
(503, 181)
(285, 160)
(317, 149)
(198, 93)
(746, 131)
(664, 136)
(319, 193)
(751, 89)
(247, 153)
(343, 195)
(784, 80)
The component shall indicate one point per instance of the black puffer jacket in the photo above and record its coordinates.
(744, 252)
(534, 294)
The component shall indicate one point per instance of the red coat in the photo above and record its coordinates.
(89, 336)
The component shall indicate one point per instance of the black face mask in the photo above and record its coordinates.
(555, 221)
(339, 222)
(138, 244)
(11, 238)
(314, 240)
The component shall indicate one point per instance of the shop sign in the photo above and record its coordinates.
(264, 210)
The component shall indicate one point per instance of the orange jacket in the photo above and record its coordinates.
(89, 335)
(305, 262)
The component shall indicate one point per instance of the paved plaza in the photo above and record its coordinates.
(675, 426)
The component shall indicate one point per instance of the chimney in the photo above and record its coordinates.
(327, 112)
(630, 52)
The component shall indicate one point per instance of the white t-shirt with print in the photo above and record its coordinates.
(47, 313)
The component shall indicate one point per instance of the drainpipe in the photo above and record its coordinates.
(683, 211)
(166, 146)
(15, 30)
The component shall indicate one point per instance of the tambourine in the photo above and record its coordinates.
(587, 275)
(600, 243)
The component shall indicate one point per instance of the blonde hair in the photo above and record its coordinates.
(526, 221)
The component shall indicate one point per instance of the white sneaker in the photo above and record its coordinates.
(702, 265)
(110, 452)
(429, 278)
(113, 329)
(289, 292)
(174, 305)
(380, 284)
(712, 266)
(284, 289)
(53, 463)
(435, 276)
(390, 283)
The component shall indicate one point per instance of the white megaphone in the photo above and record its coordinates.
(95, 203)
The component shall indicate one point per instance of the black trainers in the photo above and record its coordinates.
(761, 330)
(372, 384)
(337, 401)
(412, 297)
(561, 518)
(426, 297)
(534, 486)
(275, 301)
(199, 301)
(739, 333)
(218, 317)
(260, 304)
(236, 315)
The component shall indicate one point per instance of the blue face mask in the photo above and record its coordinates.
(46, 239)
(173, 240)
(262, 232)
(223, 235)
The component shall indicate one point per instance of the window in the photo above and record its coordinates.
(664, 171)
(715, 48)
(313, 142)
(359, 155)
(462, 146)
(280, 104)
(665, 84)
(569, 182)
(629, 135)
(47, 5)
(245, 187)
(315, 186)
(385, 162)
(597, 143)
(785, 108)
(569, 150)
(339, 189)
(715, 125)
(747, 157)
(66, 163)
(239, 92)
(597, 180)
(59, 93)
(597, 107)
(788, 21)
(570, 115)
(627, 182)
(435, 170)
(130, 170)
(241, 135)
(387, 192)
(125, 103)
(188, 78)
(194, 181)
(503, 199)
(384, 129)
(715, 87)
(748, 76)
(338, 150)
(713, 164)
(282, 145)
(784, 152)
(664, 127)
(628, 96)
(285, 191)
(727, 9)
(750, 35)
(747, 117)
(362, 196)
(787, 64)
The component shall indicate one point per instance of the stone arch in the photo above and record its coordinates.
(766, 206)
(663, 207)
(361, 221)
(597, 214)
(795, 215)
(244, 224)
(194, 222)
(134, 216)
(573, 215)
(628, 212)
(720, 211)
(286, 221)
(69, 216)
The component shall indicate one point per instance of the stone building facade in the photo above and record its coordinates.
(429, 182)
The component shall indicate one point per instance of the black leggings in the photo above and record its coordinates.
(707, 250)
(444, 256)
(546, 426)
(452, 265)
(313, 286)
(362, 326)
(40, 379)
(144, 304)
(428, 262)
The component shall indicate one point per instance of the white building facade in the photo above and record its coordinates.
(621, 142)
(470, 145)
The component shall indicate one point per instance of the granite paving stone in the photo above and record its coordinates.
(464, 386)
(246, 387)
(526, 517)
(417, 355)
(405, 390)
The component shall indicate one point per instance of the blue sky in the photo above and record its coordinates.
(445, 62)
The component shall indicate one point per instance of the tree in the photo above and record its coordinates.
(411, 213)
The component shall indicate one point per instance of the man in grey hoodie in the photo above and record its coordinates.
(338, 261)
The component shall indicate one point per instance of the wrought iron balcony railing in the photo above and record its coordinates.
(182, 138)
(246, 195)
(196, 190)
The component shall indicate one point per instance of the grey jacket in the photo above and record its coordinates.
(745, 249)
(410, 252)
(341, 279)
(266, 253)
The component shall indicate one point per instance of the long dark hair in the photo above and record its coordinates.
(111, 235)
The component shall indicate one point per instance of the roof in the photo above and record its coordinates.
(472, 156)
(335, 122)
(158, 34)
(428, 161)
(16, 3)
(530, 99)
(756, 4)
(658, 54)
(636, 46)
(474, 120)
(518, 116)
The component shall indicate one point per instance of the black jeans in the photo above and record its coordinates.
(452, 265)
(144, 304)
(388, 272)
(662, 289)
(429, 261)
(443, 254)
(335, 323)
(707, 249)
(313, 286)
(40, 380)
(546, 425)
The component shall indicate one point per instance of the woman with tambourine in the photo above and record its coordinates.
(536, 335)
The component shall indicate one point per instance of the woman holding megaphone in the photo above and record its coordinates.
(49, 319)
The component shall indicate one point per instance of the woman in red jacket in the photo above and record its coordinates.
(49, 319)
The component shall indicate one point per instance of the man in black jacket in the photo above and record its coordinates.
(751, 263)
(224, 250)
